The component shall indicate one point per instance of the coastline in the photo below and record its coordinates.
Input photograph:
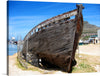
(14, 55)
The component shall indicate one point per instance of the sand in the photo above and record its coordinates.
(15, 71)
(91, 49)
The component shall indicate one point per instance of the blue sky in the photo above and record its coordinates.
(24, 15)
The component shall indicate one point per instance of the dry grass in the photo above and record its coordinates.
(85, 64)
(33, 68)
(30, 67)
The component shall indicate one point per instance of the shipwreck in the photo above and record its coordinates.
(54, 41)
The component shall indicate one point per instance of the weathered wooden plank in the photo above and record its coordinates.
(57, 43)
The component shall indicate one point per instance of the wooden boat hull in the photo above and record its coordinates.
(56, 44)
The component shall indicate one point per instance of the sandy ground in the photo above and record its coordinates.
(91, 49)
(15, 71)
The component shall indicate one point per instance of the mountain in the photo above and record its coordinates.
(89, 28)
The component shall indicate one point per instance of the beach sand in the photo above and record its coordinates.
(91, 49)
(15, 71)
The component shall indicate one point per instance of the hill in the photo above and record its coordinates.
(89, 28)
